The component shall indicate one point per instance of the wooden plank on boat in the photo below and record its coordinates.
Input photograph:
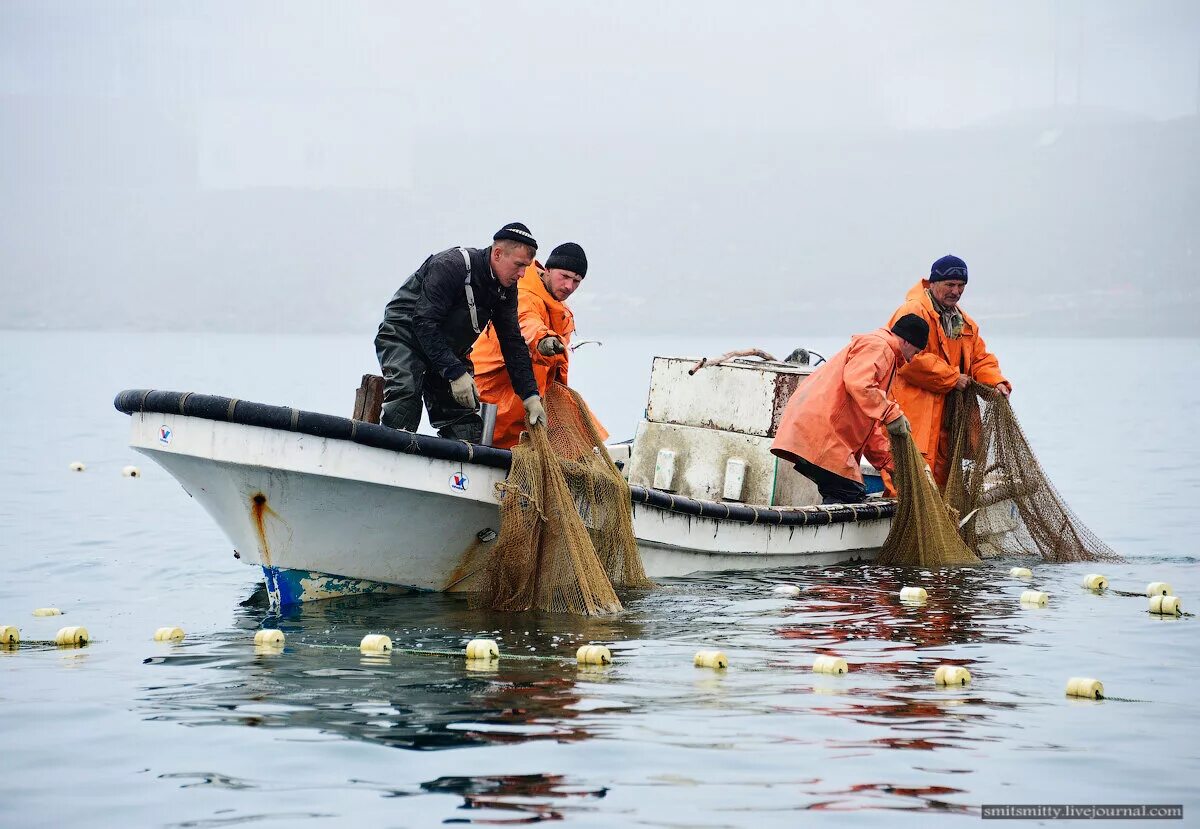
(368, 399)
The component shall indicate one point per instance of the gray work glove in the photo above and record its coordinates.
(535, 413)
(549, 346)
(464, 391)
(899, 426)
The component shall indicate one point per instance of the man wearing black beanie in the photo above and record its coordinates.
(955, 356)
(844, 411)
(431, 322)
(547, 325)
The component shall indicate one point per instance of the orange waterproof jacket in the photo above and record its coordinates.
(837, 415)
(923, 384)
(540, 316)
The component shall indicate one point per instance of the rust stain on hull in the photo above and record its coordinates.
(259, 510)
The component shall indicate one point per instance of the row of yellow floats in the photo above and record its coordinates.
(1162, 602)
(486, 650)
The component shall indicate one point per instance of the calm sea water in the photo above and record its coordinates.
(129, 732)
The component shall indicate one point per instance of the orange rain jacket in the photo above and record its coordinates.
(837, 415)
(923, 384)
(540, 316)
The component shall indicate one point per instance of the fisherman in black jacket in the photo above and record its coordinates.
(431, 323)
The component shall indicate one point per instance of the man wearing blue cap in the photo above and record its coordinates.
(431, 322)
(954, 356)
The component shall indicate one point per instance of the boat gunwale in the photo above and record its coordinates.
(331, 427)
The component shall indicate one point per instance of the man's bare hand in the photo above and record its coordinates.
(1004, 388)
(962, 382)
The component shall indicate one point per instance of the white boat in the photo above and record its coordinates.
(329, 506)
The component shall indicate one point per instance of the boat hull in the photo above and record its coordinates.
(326, 517)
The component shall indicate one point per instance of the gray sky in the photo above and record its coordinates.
(770, 167)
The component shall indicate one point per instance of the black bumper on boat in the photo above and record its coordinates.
(285, 418)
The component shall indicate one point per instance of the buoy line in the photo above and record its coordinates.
(431, 652)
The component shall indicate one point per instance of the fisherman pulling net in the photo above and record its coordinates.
(998, 500)
(924, 531)
(566, 525)
(1008, 505)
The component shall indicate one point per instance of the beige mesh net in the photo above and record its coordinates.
(566, 525)
(924, 531)
(1008, 505)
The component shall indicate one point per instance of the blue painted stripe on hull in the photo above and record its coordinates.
(292, 587)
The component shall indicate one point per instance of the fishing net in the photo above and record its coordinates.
(1008, 505)
(924, 530)
(566, 525)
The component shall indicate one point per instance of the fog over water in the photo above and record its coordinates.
(768, 167)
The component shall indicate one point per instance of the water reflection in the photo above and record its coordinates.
(532, 797)
(861, 603)
(321, 682)
(926, 797)
(869, 738)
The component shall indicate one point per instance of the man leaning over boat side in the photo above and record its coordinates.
(954, 356)
(546, 324)
(424, 342)
(843, 411)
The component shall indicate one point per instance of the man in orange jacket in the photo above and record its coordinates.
(842, 411)
(547, 325)
(954, 356)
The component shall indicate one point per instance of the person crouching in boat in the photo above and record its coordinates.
(954, 356)
(430, 324)
(844, 411)
(546, 324)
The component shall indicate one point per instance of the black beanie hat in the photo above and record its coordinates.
(516, 232)
(948, 267)
(569, 257)
(912, 329)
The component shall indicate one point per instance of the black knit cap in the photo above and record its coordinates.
(912, 329)
(948, 267)
(569, 257)
(516, 232)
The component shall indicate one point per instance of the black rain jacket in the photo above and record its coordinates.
(430, 310)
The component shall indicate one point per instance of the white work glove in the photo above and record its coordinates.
(549, 346)
(535, 413)
(899, 426)
(464, 391)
